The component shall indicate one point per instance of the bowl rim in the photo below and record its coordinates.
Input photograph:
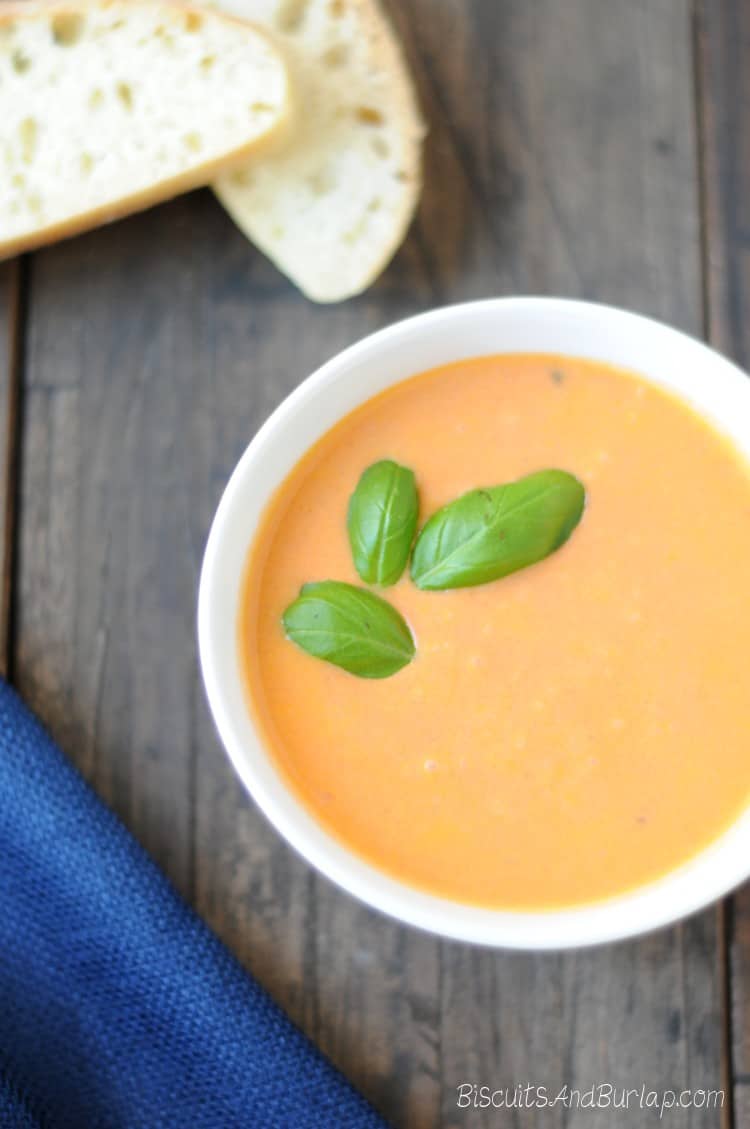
(707, 876)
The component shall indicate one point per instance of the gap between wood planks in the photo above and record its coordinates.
(12, 320)
(724, 909)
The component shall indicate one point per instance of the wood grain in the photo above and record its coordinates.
(723, 44)
(562, 159)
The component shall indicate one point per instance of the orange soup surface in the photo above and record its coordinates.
(563, 734)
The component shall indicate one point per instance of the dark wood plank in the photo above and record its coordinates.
(10, 360)
(108, 549)
(723, 43)
(562, 159)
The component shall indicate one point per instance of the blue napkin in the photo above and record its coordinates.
(119, 1009)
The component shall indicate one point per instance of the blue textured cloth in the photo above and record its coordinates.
(118, 1007)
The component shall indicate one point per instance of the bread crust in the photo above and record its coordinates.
(168, 187)
(387, 49)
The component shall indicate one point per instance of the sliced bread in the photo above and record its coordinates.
(112, 106)
(332, 204)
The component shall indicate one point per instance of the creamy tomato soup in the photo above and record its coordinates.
(565, 733)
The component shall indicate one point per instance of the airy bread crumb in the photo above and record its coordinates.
(332, 204)
(112, 106)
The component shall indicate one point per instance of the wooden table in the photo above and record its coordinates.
(581, 147)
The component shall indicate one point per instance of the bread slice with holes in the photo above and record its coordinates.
(332, 204)
(112, 106)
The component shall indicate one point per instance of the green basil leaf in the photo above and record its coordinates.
(349, 627)
(382, 522)
(486, 534)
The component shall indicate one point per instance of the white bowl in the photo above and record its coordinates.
(719, 390)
